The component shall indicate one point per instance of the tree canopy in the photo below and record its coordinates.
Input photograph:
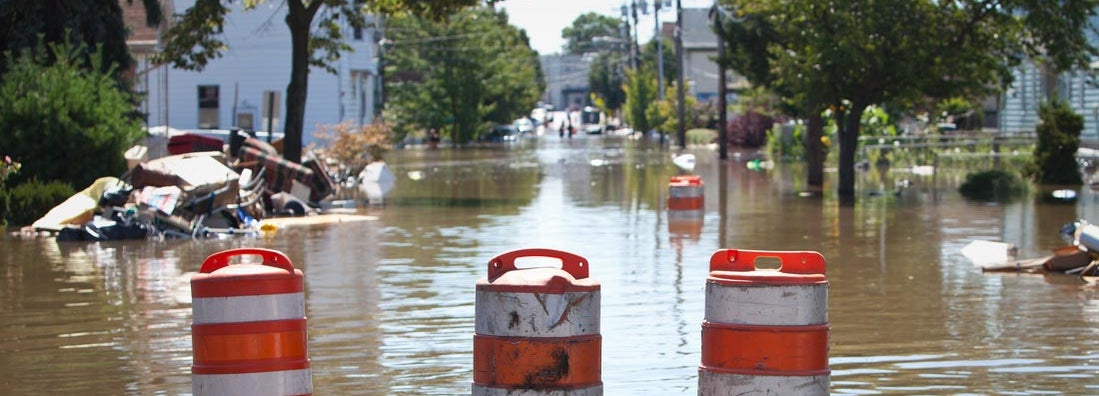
(847, 55)
(593, 32)
(461, 73)
(605, 79)
(27, 24)
(316, 40)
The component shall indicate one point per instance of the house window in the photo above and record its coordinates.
(357, 32)
(208, 106)
(359, 91)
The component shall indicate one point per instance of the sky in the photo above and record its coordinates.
(544, 19)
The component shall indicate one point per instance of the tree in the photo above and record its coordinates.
(593, 32)
(640, 91)
(27, 24)
(847, 55)
(1058, 140)
(648, 57)
(461, 73)
(664, 114)
(315, 40)
(605, 79)
(58, 105)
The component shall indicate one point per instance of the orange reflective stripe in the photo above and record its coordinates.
(685, 203)
(557, 362)
(213, 285)
(765, 350)
(281, 343)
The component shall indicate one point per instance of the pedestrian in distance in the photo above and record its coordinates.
(433, 138)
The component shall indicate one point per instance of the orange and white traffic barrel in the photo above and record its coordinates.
(249, 328)
(685, 192)
(765, 330)
(537, 329)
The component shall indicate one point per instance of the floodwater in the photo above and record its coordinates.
(390, 301)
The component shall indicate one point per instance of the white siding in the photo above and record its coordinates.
(1020, 112)
(257, 60)
(1021, 101)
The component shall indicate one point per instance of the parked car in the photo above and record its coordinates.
(523, 125)
(502, 133)
(538, 114)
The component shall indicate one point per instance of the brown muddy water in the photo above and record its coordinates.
(390, 301)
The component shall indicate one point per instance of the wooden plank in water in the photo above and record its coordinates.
(1028, 265)
(282, 222)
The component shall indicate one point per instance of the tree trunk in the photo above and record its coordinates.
(298, 19)
(848, 130)
(814, 148)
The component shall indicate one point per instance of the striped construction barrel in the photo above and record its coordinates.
(249, 328)
(685, 192)
(537, 329)
(765, 330)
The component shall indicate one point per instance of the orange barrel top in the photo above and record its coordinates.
(217, 278)
(685, 186)
(504, 276)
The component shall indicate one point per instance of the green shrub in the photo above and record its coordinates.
(29, 201)
(786, 142)
(1058, 141)
(3, 208)
(992, 185)
(701, 136)
(62, 121)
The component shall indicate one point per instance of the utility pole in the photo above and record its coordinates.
(626, 30)
(634, 47)
(379, 38)
(723, 135)
(659, 48)
(682, 107)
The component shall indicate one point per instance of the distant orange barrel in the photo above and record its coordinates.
(249, 328)
(685, 192)
(537, 329)
(765, 330)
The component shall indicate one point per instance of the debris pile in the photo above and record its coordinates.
(1080, 257)
(192, 193)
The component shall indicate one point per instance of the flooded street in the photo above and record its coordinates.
(390, 301)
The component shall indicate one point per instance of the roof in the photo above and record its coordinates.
(697, 33)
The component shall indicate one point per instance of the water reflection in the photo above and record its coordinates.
(390, 301)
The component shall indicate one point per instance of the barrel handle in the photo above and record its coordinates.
(575, 265)
(793, 262)
(273, 258)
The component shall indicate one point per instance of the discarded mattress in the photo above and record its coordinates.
(77, 209)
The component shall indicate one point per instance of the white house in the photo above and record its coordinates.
(1019, 113)
(239, 88)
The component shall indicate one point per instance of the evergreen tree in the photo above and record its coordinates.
(58, 106)
(1058, 141)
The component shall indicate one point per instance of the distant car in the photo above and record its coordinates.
(524, 125)
(538, 115)
(502, 133)
(591, 120)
